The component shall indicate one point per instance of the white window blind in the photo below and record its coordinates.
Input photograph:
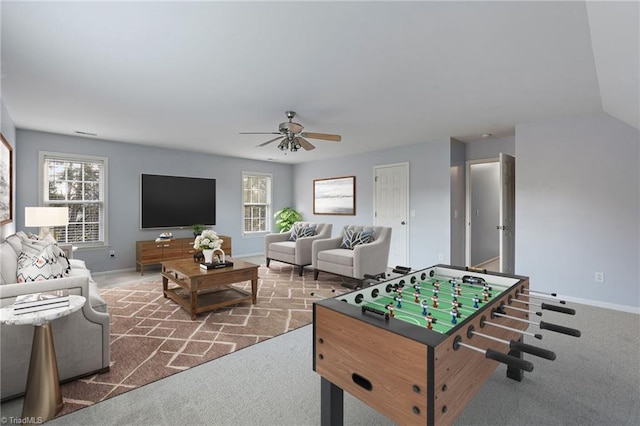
(77, 182)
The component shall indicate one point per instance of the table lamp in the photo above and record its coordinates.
(46, 217)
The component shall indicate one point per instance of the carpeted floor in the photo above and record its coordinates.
(152, 337)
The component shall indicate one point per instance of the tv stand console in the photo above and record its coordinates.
(153, 252)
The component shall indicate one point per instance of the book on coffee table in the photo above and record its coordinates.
(215, 265)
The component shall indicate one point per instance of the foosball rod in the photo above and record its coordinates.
(531, 296)
(543, 325)
(483, 321)
(515, 345)
(544, 306)
(413, 302)
(400, 311)
(541, 292)
(511, 361)
(527, 311)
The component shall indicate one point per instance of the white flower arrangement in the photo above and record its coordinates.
(208, 240)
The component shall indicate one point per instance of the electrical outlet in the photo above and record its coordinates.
(599, 277)
(112, 253)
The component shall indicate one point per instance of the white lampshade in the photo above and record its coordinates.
(46, 216)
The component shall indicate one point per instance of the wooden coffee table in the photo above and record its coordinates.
(200, 290)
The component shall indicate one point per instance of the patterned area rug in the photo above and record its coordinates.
(152, 337)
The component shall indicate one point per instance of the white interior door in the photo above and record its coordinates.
(391, 206)
(507, 225)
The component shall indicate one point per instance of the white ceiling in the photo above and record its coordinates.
(381, 74)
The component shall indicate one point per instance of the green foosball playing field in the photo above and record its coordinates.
(440, 300)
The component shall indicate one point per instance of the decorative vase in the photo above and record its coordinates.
(208, 255)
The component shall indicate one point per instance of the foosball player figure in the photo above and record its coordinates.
(430, 321)
(399, 300)
(436, 291)
(454, 317)
(434, 298)
(486, 287)
(424, 305)
(390, 308)
(455, 309)
(485, 296)
(476, 300)
(455, 305)
(453, 282)
(416, 296)
(459, 289)
(416, 287)
(436, 284)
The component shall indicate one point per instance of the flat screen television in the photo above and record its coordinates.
(176, 201)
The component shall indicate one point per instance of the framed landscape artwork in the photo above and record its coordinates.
(6, 182)
(335, 196)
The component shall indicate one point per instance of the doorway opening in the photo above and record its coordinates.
(490, 214)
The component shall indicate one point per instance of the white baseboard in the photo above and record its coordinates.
(241, 256)
(113, 271)
(600, 304)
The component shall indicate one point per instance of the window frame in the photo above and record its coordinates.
(268, 204)
(43, 181)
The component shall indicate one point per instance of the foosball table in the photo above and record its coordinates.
(418, 347)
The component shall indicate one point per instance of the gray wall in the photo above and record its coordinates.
(483, 149)
(126, 163)
(9, 132)
(429, 194)
(577, 207)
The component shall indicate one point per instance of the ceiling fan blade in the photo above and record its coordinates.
(305, 144)
(323, 136)
(269, 141)
(258, 133)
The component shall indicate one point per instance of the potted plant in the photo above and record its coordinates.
(197, 229)
(285, 218)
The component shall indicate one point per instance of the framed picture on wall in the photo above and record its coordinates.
(6, 182)
(335, 196)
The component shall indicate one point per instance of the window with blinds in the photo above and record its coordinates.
(256, 199)
(77, 182)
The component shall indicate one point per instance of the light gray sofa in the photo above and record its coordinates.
(370, 258)
(279, 246)
(81, 339)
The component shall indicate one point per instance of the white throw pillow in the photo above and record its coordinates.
(47, 263)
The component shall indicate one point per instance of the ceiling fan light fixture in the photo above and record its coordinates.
(293, 136)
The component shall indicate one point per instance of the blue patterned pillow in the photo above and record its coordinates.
(302, 231)
(352, 238)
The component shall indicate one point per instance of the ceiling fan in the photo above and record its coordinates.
(292, 137)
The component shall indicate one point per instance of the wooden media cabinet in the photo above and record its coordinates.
(153, 252)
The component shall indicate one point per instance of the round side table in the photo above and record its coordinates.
(42, 398)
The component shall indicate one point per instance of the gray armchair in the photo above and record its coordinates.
(280, 247)
(369, 258)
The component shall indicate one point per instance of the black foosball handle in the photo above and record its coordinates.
(382, 314)
(558, 309)
(559, 329)
(533, 350)
(512, 361)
